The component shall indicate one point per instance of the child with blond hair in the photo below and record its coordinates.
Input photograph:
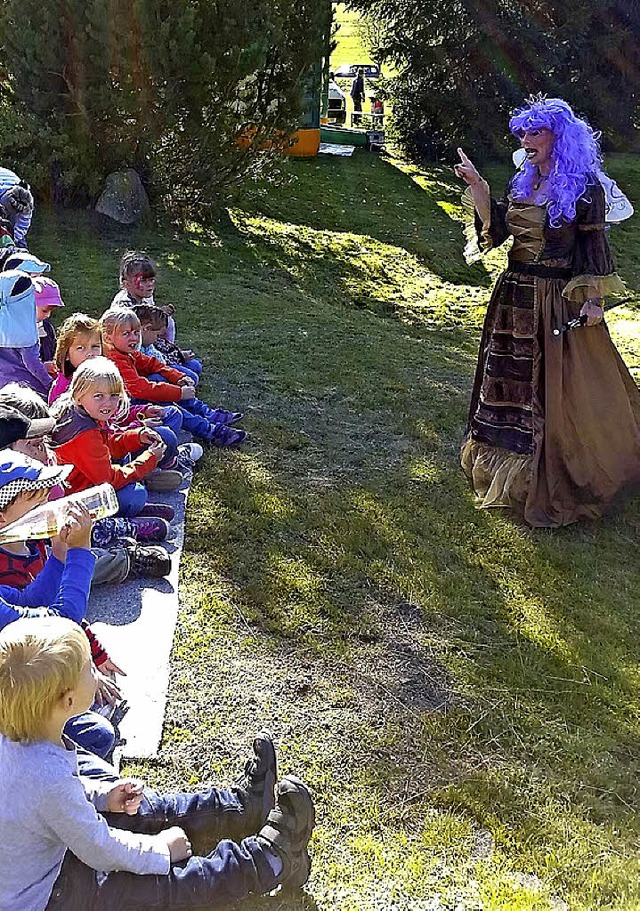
(148, 379)
(58, 829)
(84, 439)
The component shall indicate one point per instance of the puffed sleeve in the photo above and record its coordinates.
(593, 265)
(484, 232)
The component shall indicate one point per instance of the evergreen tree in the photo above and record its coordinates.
(464, 64)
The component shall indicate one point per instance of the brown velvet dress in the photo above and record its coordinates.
(554, 421)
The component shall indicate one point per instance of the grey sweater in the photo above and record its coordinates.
(47, 808)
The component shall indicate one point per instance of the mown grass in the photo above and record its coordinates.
(461, 692)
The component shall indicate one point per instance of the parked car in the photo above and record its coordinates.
(371, 71)
(337, 107)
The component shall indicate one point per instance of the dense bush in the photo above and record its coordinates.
(462, 65)
(165, 87)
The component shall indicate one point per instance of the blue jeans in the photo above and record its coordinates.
(194, 365)
(196, 424)
(189, 412)
(225, 871)
(92, 732)
(131, 499)
(186, 369)
(172, 418)
(171, 442)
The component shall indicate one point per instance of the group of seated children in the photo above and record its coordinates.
(110, 400)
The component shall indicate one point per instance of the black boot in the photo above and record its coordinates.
(288, 829)
(256, 785)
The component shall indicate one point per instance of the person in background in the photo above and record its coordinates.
(78, 340)
(149, 380)
(154, 323)
(137, 285)
(357, 95)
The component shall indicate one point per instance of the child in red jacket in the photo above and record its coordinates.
(82, 437)
(147, 379)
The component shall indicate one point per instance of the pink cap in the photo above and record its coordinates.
(47, 292)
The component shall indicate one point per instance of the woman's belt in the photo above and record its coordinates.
(539, 270)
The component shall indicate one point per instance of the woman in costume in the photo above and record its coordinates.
(554, 420)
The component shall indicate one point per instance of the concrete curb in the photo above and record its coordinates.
(136, 623)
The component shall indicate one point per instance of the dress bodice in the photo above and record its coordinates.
(526, 222)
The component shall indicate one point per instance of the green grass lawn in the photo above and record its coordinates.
(460, 692)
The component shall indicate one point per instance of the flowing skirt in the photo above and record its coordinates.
(554, 421)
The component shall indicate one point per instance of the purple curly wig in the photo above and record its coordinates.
(575, 156)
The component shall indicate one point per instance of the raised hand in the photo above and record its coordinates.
(76, 531)
(466, 170)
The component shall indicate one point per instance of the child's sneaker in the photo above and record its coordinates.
(221, 416)
(163, 480)
(107, 532)
(288, 829)
(257, 782)
(150, 528)
(149, 560)
(158, 511)
(191, 451)
(221, 435)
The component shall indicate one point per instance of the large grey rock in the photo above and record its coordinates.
(124, 199)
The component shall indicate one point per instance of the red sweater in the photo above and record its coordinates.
(136, 367)
(80, 441)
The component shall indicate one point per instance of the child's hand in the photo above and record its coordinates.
(187, 353)
(153, 414)
(148, 436)
(125, 797)
(110, 669)
(169, 309)
(185, 381)
(76, 531)
(177, 842)
(106, 690)
(187, 392)
(158, 448)
(51, 369)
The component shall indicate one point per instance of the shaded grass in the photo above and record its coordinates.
(437, 673)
